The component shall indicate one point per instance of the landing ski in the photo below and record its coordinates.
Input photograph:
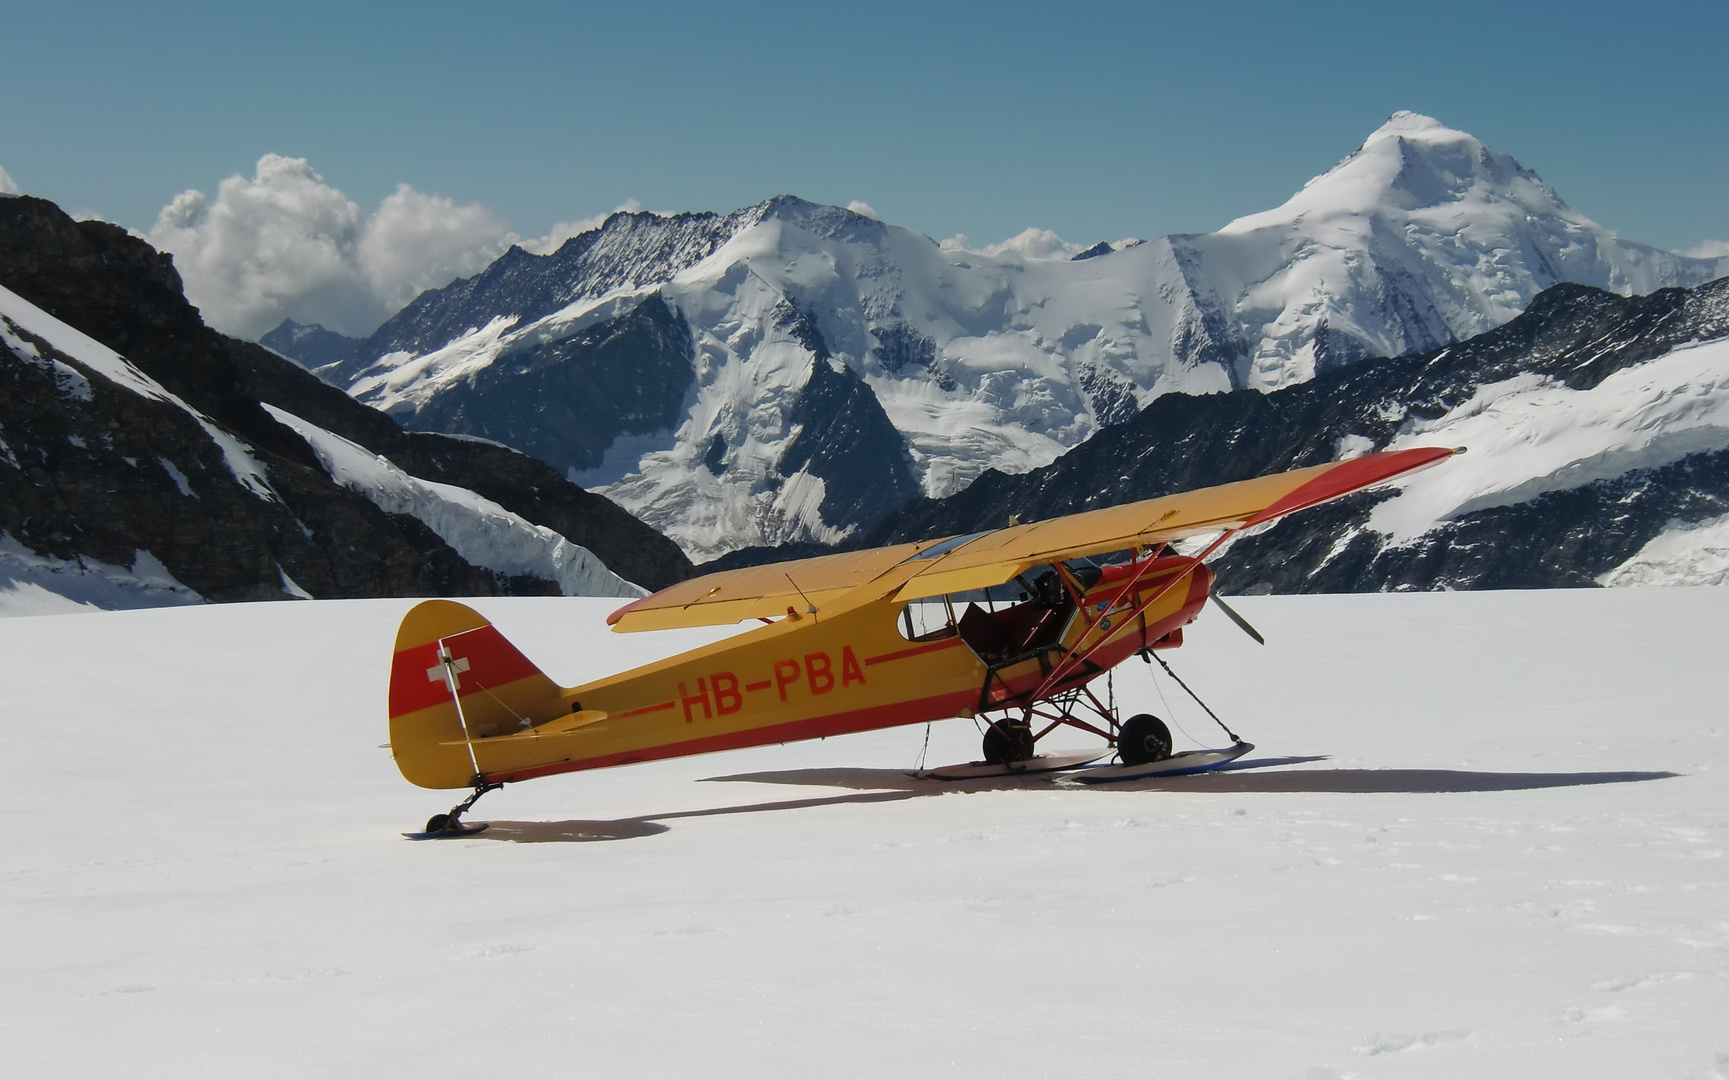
(464, 829)
(1039, 764)
(1181, 764)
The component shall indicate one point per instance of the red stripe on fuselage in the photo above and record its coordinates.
(946, 643)
(845, 723)
(645, 709)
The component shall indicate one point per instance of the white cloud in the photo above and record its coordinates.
(1707, 249)
(1029, 244)
(863, 209)
(564, 230)
(7, 186)
(284, 244)
(1036, 244)
(417, 242)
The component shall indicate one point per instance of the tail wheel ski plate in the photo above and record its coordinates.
(463, 829)
(1042, 763)
(1179, 764)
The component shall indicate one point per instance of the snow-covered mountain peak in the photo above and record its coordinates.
(1407, 121)
(830, 222)
(1410, 164)
(1422, 236)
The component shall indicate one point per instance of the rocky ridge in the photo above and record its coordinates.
(135, 434)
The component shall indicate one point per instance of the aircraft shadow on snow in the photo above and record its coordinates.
(577, 832)
(893, 785)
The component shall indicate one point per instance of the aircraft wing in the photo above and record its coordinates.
(760, 592)
(956, 564)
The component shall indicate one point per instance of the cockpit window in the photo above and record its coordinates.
(927, 620)
(938, 550)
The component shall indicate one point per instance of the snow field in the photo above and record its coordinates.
(1502, 856)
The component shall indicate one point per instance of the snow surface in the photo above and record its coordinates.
(478, 529)
(1485, 834)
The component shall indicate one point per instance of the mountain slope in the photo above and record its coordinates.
(1421, 237)
(1596, 426)
(101, 463)
(115, 460)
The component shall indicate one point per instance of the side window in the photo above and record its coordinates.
(926, 620)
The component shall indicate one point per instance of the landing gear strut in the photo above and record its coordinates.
(451, 824)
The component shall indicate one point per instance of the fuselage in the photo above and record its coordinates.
(816, 674)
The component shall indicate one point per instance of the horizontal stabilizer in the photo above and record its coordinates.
(562, 725)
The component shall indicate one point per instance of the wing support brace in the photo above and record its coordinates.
(1069, 664)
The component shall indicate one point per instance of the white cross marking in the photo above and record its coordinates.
(448, 669)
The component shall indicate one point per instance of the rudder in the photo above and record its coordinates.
(487, 686)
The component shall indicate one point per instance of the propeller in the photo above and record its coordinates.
(1238, 619)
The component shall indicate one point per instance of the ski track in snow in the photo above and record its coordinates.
(1499, 846)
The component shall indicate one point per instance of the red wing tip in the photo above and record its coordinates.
(612, 620)
(1354, 474)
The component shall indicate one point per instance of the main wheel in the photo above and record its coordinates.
(1007, 742)
(437, 823)
(1143, 738)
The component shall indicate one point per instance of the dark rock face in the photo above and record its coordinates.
(847, 440)
(899, 345)
(102, 472)
(118, 290)
(1561, 539)
(1571, 333)
(564, 402)
(312, 347)
(628, 249)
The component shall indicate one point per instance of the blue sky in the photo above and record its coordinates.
(1097, 120)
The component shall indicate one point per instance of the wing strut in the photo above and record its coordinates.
(1234, 736)
(1065, 667)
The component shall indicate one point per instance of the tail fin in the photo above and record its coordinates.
(455, 679)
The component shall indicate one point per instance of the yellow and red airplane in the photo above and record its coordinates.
(842, 650)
